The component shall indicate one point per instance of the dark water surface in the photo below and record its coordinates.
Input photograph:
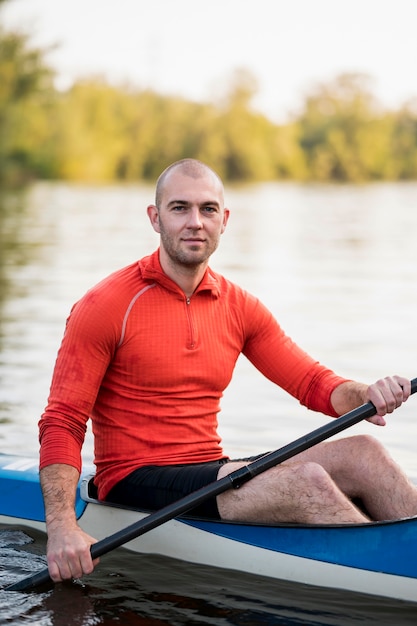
(136, 590)
(336, 265)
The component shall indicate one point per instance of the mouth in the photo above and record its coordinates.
(193, 240)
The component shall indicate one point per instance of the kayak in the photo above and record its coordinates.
(379, 558)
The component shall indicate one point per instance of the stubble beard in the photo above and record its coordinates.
(190, 259)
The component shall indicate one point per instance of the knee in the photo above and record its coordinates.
(364, 452)
(312, 475)
(368, 445)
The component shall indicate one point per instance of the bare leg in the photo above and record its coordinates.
(317, 485)
(363, 468)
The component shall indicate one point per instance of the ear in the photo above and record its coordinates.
(153, 215)
(226, 214)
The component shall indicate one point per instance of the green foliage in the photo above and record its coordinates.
(404, 143)
(98, 132)
(335, 131)
(346, 137)
(25, 98)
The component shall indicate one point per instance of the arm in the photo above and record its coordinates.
(387, 394)
(68, 548)
(82, 360)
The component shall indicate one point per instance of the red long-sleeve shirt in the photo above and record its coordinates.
(149, 366)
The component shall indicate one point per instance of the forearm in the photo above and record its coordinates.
(348, 396)
(68, 547)
(59, 483)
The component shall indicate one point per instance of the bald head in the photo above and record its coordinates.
(186, 167)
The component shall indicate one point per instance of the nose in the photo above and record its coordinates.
(194, 218)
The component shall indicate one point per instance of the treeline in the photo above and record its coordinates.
(98, 132)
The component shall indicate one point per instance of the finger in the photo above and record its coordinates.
(381, 395)
(54, 572)
(405, 385)
(400, 389)
(59, 570)
(378, 420)
(394, 395)
(86, 563)
(69, 566)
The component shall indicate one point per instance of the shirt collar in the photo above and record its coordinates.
(151, 270)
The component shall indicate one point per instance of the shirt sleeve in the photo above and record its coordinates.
(281, 360)
(86, 349)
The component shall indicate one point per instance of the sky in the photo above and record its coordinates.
(191, 48)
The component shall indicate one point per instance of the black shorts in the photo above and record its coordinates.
(153, 487)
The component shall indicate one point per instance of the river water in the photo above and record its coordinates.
(336, 265)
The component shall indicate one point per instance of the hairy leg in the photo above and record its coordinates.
(300, 492)
(363, 468)
(317, 486)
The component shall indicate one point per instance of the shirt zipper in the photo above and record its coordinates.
(191, 344)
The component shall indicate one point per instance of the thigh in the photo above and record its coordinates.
(288, 484)
(280, 494)
(346, 460)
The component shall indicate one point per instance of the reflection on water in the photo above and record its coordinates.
(14, 250)
(336, 265)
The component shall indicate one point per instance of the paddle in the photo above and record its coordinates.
(235, 479)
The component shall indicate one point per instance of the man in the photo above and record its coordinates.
(147, 354)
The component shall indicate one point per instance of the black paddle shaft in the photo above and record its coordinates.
(234, 480)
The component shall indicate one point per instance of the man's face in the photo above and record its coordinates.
(190, 219)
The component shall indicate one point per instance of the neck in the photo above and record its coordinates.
(187, 277)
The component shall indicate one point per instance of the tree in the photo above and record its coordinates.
(25, 89)
(404, 141)
(338, 130)
(248, 153)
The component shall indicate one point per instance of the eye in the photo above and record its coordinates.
(210, 209)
